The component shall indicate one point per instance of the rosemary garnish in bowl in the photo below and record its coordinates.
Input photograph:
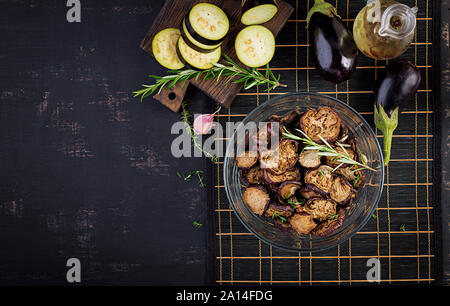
(325, 150)
(250, 77)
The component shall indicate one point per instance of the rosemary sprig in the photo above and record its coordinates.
(185, 116)
(324, 149)
(197, 224)
(250, 77)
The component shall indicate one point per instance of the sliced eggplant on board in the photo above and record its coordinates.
(207, 23)
(334, 49)
(193, 43)
(255, 46)
(258, 11)
(195, 59)
(164, 46)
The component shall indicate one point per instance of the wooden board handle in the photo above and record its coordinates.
(173, 97)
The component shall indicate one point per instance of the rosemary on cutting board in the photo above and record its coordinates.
(250, 77)
(326, 150)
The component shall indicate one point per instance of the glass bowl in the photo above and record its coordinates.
(363, 205)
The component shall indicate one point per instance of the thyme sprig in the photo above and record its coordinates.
(250, 77)
(324, 149)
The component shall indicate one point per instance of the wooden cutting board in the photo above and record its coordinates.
(172, 14)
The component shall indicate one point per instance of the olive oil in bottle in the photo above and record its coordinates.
(384, 29)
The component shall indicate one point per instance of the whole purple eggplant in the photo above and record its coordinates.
(393, 91)
(334, 49)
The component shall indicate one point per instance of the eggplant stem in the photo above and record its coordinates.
(386, 124)
(387, 142)
(321, 6)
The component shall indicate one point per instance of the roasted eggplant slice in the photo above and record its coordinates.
(274, 210)
(279, 160)
(288, 189)
(164, 47)
(341, 190)
(247, 159)
(323, 122)
(255, 175)
(258, 11)
(321, 178)
(329, 226)
(309, 192)
(302, 223)
(320, 208)
(333, 161)
(257, 198)
(356, 178)
(289, 175)
(287, 120)
(309, 159)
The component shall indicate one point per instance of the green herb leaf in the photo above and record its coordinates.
(250, 77)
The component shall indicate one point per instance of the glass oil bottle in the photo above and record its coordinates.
(384, 29)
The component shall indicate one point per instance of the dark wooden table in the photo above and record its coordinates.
(86, 170)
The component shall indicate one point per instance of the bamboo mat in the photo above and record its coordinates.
(406, 256)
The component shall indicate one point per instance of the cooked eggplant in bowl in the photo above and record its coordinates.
(307, 176)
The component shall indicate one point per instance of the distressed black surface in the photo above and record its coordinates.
(85, 169)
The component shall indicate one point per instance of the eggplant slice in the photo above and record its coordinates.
(255, 46)
(308, 192)
(329, 226)
(288, 189)
(247, 159)
(289, 175)
(320, 208)
(302, 223)
(164, 47)
(208, 23)
(255, 176)
(257, 198)
(324, 122)
(275, 210)
(258, 11)
(341, 190)
(279, 160)
(356, 178)
(321, 178)
(193, 43)
(195, 59)
(309, 159)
